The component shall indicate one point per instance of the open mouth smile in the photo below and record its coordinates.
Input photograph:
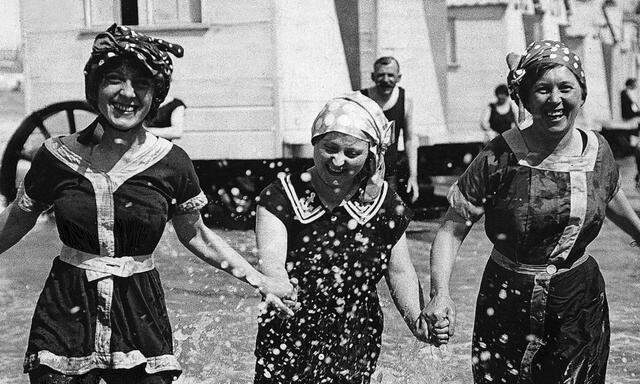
(555, 115)
(335, 171)
(123, 108)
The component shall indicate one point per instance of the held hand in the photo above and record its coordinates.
(413, 188)
(280, 296)
(441, 316)
(420, 329)
(279, 287)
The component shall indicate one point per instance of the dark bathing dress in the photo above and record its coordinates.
(541, 314)
(338, 258)
(89, 316)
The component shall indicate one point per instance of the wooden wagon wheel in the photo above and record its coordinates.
(56, 119)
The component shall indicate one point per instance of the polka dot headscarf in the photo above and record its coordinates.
(359, 116)
(538, 53)
(118, 42)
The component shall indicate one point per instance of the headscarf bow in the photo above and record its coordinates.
(152, 53)
(537, 53)
(357, 115)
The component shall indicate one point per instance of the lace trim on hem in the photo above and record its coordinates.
(116, 360)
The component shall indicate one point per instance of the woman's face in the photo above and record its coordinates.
(502, 98)
(339, 157)
(555, 100)
(125, 95)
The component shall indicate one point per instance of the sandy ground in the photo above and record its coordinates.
(214, 316)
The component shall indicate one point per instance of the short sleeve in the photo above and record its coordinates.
(469, 194)
(36, 193)
(179, 103)
(399, 216)
(610, 172)
(189, 196)
(274, 199)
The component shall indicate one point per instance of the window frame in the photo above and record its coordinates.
(145, 17)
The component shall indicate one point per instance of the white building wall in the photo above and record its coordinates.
(253, 70)
(484, 36)
(404, 34)
(10, 38)
(311, 67)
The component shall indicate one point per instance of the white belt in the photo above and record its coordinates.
(98, 267)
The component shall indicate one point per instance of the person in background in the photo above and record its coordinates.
(629, 100)
(545, 188)
(168, 122)
(397, 107)
(630, 111)
(500, 116)
(337, 229)
(113, 186)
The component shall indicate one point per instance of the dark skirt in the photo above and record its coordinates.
(136, 331)
(519, 339)
(321, 344)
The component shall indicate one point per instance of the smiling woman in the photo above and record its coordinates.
(541, 313)
(337, 229)
(113, 188)
(125, 94)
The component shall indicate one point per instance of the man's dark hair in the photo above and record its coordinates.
(386, 60)
(630, 82)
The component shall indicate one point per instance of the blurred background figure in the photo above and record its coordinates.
(630, 111)
(500, 115)
(169, 120)
(629, 100)
(396, 107)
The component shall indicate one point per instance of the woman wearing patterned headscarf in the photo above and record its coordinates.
(337, 229)
(545, 188)
(113, 187)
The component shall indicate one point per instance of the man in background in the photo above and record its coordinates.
(397, 107)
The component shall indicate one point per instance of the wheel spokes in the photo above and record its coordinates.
(40, 124)
(72, 121)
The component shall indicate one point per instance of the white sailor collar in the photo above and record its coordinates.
(308, 207)
(585, 162)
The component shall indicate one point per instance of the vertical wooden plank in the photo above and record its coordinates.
(368, 39)
(347, 12)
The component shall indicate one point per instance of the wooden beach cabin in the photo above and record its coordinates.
(255, 72)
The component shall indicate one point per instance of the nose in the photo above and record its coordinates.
(338, 160)
(554, 97)
(127, 89)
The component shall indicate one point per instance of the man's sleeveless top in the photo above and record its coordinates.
(395, 113)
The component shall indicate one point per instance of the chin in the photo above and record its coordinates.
(124, 124)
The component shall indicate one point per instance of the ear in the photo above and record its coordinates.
(399, 77)
(373, 77)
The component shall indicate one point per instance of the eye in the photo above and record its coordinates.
(567, 87)
(541, 89)
(142, 83)
(352, 154)
(113, 78)
(330, 148)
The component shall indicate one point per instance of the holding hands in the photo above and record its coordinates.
(440, 315)
(280, 295)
